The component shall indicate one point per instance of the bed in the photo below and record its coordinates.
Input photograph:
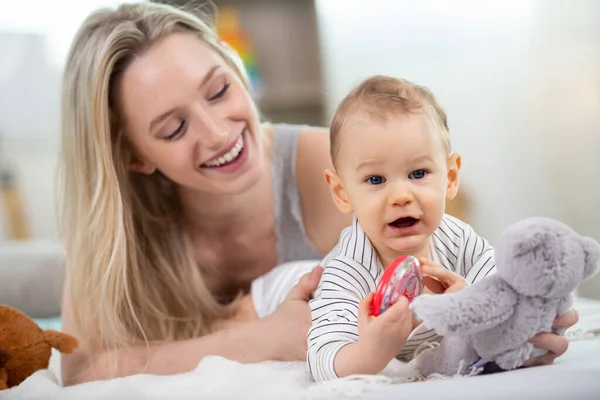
(575, 375)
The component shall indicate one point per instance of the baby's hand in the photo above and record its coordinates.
(386, 334)
(438, 279)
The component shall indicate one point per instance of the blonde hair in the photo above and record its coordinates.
(133, 275)
(383, 96)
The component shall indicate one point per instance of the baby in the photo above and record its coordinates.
(394, 170)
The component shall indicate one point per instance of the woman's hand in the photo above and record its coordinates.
(287, 328)
(555, 344)
(438, 279)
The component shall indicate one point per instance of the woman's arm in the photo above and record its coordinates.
(322, 220)
(243, 343)
(281, 336)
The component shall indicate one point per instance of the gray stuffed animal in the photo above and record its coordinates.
(539, 262)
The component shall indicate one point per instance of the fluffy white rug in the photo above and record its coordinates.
(216, 377)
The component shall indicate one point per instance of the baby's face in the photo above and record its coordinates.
(397, 176)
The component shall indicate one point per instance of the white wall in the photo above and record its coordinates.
(29, 126)
(566, 111)
(494, 66)
(33, 47)
(34, 160)
(56, 20)
(520, 81)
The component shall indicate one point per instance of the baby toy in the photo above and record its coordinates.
(540, 262)
(403, 277)
(25, 348)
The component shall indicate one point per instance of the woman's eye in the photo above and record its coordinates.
(221, 92)
(418, 174)
(376, 180)
(176, 132)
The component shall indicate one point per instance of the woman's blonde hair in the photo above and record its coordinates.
(133, 276)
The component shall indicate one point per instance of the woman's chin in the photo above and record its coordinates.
(245, 182)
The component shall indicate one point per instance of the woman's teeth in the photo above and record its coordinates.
(229, 156)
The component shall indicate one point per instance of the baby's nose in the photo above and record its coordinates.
(400, 196)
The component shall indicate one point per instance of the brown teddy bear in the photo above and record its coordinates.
(25, 348)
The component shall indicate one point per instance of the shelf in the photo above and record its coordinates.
(285, 44)
(292, 96)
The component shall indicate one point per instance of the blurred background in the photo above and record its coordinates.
(520, 81)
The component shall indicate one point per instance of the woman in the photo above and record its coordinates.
(175, 198)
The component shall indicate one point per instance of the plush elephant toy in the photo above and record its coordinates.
(539, 263)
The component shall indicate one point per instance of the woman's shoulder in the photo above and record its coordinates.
(323, 222)
(302, 132)
(313, 148)
(310, 145)
(319, 131)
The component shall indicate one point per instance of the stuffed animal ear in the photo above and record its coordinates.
(592, 256)
(60, 341)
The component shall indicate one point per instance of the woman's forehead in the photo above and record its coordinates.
(176, 57)
(166, 75)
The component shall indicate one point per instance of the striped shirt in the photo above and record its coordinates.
(352, 271)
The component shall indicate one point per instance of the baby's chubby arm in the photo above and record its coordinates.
(381, 338)
(344, 339)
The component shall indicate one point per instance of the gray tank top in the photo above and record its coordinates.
(292, 242)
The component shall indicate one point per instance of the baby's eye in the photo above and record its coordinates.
(376, 180)
(418, 174)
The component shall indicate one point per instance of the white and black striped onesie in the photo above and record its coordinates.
(352, 271)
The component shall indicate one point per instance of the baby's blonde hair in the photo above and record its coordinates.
(383, 96)
(133, 274)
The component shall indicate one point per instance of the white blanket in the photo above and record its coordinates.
(215, 377)
(574, 375)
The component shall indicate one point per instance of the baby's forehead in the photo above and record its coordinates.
(386, 123)
(362, 117)
(364, 134)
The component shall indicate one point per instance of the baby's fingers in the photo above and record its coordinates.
(446, 277)
(398, 311)
(432, 285)
(364, 307)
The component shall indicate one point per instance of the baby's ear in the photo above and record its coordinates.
(338, 193)
(454, 162)
(592, 256)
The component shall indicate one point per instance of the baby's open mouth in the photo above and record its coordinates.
(404, 222)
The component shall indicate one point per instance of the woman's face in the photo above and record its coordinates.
(188, 115)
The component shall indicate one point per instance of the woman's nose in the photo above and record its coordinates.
(213, 132)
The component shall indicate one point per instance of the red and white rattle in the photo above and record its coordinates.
(403, 277)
